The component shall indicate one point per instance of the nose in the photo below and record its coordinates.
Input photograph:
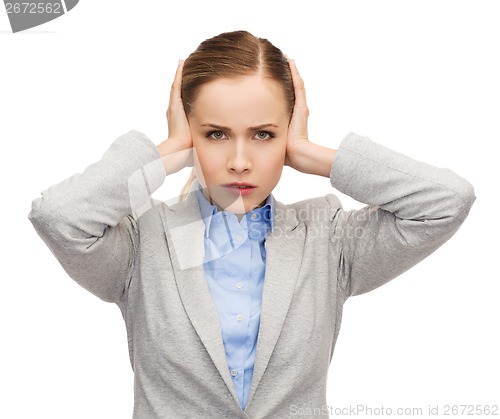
(239, 160)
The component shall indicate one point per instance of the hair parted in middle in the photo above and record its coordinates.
(232, 55)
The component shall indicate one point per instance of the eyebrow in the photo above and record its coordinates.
(249, 129)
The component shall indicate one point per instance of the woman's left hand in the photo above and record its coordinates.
(302, 154)
(297, 129)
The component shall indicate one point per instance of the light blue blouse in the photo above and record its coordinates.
(235, 261)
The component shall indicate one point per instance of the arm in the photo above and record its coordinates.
(87, 220)
(413, 208)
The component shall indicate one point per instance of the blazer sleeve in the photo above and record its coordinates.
(88, 220)
(412, 209)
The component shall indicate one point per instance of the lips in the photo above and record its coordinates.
(240, 188)
(239, 185)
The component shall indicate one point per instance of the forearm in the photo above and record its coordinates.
(174, 155)
(412, 190)
(313, 158)
(107, 190)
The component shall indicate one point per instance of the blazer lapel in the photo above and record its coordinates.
(184, 230)
(284, 249)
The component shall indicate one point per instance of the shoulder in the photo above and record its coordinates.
(317, 209)
(330, 201)
(150, 215)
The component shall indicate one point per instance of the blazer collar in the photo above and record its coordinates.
(184, 233)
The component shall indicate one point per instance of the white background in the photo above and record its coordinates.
(419, 77)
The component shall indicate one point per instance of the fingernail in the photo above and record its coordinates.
(180, 62)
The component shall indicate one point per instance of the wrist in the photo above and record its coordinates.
(313, 159)
(175, 155)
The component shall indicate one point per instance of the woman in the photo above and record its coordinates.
(232, 300)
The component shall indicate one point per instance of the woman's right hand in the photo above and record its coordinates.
(176, 151)
(178, 126)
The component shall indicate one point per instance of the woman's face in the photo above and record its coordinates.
(239, 129)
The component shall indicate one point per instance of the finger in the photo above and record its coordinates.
(175, 91)
(298, 85)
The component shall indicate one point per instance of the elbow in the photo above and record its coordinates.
(46, 221)
(454, 212)
(34, 213)
(39, 216)
(464, 199)
(449, 210)
(41, 210)
(454, 197)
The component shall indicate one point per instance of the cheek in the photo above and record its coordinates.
(278, 152)
(208, 161)
(272, 161)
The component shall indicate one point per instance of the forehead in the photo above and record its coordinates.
(251, 98)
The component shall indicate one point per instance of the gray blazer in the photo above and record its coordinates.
(146, 256)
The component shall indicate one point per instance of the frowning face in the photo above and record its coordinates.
(239, 129)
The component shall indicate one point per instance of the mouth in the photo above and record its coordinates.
(239, 188)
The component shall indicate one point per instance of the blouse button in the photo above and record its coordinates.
(239, 285)
(239, 317)
(234, 373)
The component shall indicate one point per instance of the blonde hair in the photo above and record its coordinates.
(230, 55)
(187, 186)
